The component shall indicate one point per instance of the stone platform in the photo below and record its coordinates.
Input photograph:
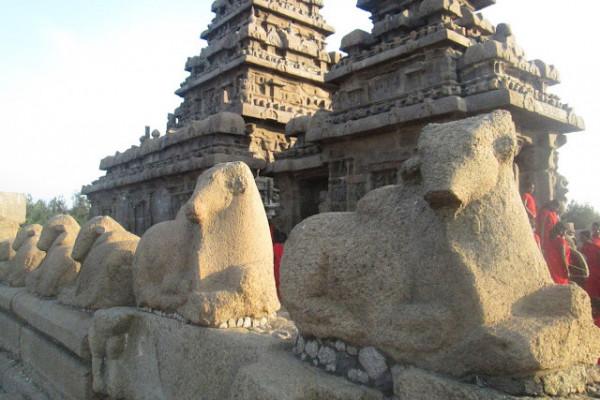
(50, 351)
(131, 354)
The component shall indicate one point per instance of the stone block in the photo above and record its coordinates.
(13, 206)
(10, 331)
(65, 325)
(7, 294)
(61, 374)
(137, 355)
(416, 384)
(271, 380)
(15, 384)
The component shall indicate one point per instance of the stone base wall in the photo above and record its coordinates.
(50, 341)
(127, 353)
(156, 357)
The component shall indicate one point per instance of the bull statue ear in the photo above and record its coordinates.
(100, 230)
(411, 168)
(60, 228)
(31, 233)
(505, 148)
(236, 184)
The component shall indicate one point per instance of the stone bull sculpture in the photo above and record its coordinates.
(26, 258)
(58, 267)
(105, 250)
(440, 271)
(214, 262)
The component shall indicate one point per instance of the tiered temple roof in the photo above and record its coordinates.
(423, 61)
(265, 63)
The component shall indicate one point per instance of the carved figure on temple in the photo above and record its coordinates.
(214, 262)
(442, 271)
(58, 267)
(26, 256)
(105, 250)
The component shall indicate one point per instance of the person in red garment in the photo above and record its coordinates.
(529, 201)
(278, 238)
(546, 219)
(591, 251)
(596, 233)
(558, 254)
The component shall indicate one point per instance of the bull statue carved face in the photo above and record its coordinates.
(25, 233)
(89, 233)
(468, 165)
(216, 190)
(60, 230)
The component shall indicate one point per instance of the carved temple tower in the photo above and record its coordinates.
(264, 64)
(424, 61)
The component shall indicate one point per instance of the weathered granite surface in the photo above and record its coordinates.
(58, 268)
(105, 279)
(26, 258)
(441, 271)
(214, 262)
(12, 213)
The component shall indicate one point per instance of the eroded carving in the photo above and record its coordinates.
(214, 262)
(105, 279)
(441, 271)
(26, 257)
(58, 267)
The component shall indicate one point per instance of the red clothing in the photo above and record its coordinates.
(592, 255)
(596, 240)
(537, 239)
(548, 219)
(529, 202)
(277, 254)
(554, 259)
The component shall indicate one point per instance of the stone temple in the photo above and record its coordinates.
(326, 129)
(266, 62)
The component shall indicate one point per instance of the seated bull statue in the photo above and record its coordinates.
(58, 267)
(214, 262)
(26, 256)
(6, 253)
(105, 250)
(442, 270)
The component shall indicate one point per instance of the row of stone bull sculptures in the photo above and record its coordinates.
(440, 271)
(212, 263)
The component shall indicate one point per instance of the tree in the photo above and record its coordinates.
(81, 208)
(39, 212)
(581, 214)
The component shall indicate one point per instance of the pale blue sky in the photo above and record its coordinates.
(79, 80)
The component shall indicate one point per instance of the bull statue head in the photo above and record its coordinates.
(60, 230)
(216, 189)
(25, 233)
(89, 233)
(466, 167)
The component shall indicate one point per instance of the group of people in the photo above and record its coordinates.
(556, 240)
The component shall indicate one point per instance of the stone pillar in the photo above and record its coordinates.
(12, 213)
